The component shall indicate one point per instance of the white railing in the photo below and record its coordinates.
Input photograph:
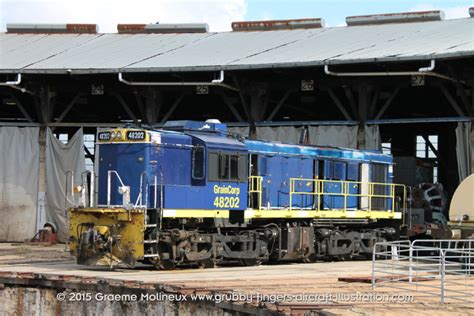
(86, 188)
(139, 203)
(123, 189)
(436, 269)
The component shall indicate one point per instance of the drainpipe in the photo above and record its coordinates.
(14, 84)
(221, 78)
(216, 82)
(424, 71)
(430, 68)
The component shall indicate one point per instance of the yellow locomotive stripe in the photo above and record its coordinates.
(322, 214)
(257, 214)
(167, 213)
(294, 213)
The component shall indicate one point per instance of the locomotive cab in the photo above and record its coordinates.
(185, 166)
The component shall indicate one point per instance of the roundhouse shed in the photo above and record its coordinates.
(402, 83)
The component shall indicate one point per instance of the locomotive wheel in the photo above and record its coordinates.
(251, 262)
(310, 259)
(345, 257)
(206, 264)
(165, 265)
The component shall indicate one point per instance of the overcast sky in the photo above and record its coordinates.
(217, 13)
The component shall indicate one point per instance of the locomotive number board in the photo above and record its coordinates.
(136, 135)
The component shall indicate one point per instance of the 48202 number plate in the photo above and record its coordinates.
(136, 135)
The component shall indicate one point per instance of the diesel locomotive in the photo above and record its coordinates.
(192, 193)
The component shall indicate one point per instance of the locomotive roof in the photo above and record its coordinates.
(216, 140)
(312, 151)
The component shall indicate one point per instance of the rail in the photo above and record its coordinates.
(439, 270)
(69, 188)
(161, 201)
(124, 190)
(85, 188)
(140, 194)
(255, 187)
(363, 192)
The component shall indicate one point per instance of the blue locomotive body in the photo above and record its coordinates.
(197, 166)
(277, 163)
(192, 193)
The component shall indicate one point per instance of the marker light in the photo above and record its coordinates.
(122, 190)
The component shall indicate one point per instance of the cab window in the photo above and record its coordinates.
(227, 167)
(198, 162)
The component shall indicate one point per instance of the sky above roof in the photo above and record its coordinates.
(217, 13)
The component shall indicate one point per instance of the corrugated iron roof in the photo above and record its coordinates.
(109, 53)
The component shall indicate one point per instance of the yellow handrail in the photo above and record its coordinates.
(320, 188)
(255, 186)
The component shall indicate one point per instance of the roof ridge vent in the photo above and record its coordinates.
(163, 28)
(471, 12)
(402, 17)
(52, 28)
(273, 25)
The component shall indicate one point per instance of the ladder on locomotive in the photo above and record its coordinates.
(156, 211)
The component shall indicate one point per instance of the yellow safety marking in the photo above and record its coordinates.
(255, 186)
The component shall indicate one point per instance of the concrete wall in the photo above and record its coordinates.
(34, 301)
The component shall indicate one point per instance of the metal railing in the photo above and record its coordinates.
(69, 189)
(139, 202)
(364, 192)
(125, 190)
(142, 200)
(255, 187)
(438, 270)
(85, 188)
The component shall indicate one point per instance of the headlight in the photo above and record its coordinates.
(77, 189)
(119, 135)
(112, 135)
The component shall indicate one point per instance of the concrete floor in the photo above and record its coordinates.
(295, 279)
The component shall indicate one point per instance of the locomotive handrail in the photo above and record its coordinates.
(109, 183)
(155, 191)
(66, 215)
(161, 203)
(255, 186)
(140, 194)
(320, 189)
(91, 189)
(69, 172)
